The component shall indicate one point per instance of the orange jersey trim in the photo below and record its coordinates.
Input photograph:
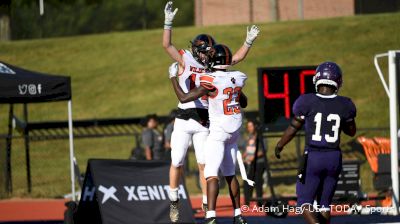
(206, 78)
(207, 85)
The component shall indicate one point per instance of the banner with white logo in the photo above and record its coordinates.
(125, 191)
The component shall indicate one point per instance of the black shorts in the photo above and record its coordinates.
(197, 114)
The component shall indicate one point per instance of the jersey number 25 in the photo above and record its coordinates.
(233, 96)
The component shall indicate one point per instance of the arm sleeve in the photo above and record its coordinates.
(244, 78)
(168, 132)
(147, 138)
(300, 107)
(351, 111)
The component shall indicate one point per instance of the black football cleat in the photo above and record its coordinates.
(174, 211)
(239, 220)
(204, 207)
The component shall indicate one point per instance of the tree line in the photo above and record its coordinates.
(20, 19)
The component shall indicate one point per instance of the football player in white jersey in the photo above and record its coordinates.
(192, 119)
(224, 89)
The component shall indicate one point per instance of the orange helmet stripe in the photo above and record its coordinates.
(209, 40)
(227, 54)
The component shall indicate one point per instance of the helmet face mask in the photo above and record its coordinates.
(200, 53)
(328, 73)
(201, 45)
(220, 57)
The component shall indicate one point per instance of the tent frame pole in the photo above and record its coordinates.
(9, 144)
(27, 150)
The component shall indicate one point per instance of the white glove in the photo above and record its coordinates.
(251, 35)
(169, 15)
(173, 70)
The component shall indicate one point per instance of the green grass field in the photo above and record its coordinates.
(125, 75)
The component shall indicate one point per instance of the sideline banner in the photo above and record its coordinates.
(125, 191)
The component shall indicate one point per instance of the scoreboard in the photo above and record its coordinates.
(278, 89)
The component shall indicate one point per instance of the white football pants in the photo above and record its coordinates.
(185, 131)
(220, 153)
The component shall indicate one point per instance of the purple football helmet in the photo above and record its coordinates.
(328, 73)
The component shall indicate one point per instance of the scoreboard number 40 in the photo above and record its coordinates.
(278, 88)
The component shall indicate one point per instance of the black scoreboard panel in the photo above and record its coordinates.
(278, 89)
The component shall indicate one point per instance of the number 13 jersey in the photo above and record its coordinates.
(324, 118)
(190, 79)
(224, 109)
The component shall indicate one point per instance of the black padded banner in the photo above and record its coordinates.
(124, 191)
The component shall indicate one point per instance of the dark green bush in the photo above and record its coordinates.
(75, 17)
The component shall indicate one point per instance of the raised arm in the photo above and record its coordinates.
(288, 135)
(167, 44)
(252, 34)
(182, 96)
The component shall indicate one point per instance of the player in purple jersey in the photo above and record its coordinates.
(324, 115)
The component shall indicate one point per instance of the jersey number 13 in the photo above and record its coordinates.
(335, 119)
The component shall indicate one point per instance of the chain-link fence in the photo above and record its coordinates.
(50, 164)
(48, 172)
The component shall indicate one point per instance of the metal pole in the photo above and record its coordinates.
(144, 19)
(393, 130)
(378, 69)
(251, 11)
(264, 147)
(27, 154)
(41, 7)
(301, 9)
(200, 13)
(274, 10)
(71, 149)
(9, 143)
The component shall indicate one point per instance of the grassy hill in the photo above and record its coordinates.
(125, 74)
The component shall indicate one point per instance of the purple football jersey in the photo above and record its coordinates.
(324, 117)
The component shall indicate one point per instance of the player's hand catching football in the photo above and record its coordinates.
(169, 15)
(173, 70)
(278, 151)
(252, 34)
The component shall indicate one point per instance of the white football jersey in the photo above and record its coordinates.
(224, 109)
(190, 79)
